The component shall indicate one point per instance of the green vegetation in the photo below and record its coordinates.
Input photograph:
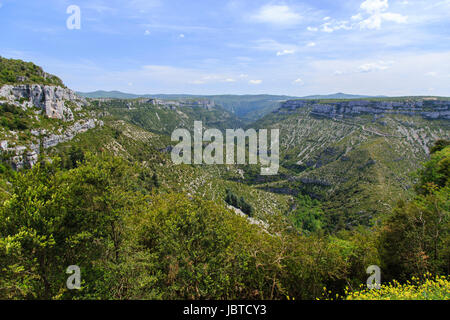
(416, 237)
(308, 215)
(437, 288)
(165, 119)
(247, 107)
(13, 118)
(350, 193)
(20, 72)
(132, 245)
(239, 203)
(357, 167)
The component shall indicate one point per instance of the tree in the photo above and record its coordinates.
(308, 216)
(416, 237)
(76, 156)
(155, 180)
(439, 145)
(57, 218)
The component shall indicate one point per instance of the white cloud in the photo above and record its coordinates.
(255, 81)
(326, 28)
(431, 74)
(372, 15)
(373, 22)
(376, 9)
(277, 14)
(311, 44)
(285, 52)
(243, 75)
(395, 17)
(197, 82)
(336, 25)
(212, 77)
(181, 35)
(375, 6)
(170, 74)
(279, 48)
(399, 79)
(357, 17)
(298, 81)
(375, 66)
(147, 32)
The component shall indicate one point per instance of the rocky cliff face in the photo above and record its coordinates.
(428, 109)
(51, 99)
(27, 155)
(203, 103)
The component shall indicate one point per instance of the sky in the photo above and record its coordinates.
(298, 48)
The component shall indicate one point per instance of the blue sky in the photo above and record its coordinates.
(377, 47)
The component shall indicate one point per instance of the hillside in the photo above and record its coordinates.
(164, 116)
(247, 107)
(362, 182)
(356, 156)
(18, 71)
(57, 121)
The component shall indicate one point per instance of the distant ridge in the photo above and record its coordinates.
(123, 95)
(246, 107)
(108, 94)
(340, 95)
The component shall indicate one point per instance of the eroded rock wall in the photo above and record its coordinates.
(51, 99)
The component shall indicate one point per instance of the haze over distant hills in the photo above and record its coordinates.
(247, 107)
(123, 95)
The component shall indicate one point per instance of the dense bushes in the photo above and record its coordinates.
(17, 71)
(132, 244)
(59, 218)
(308, 215)
(240, 203)
(13, 118)
(416, 238)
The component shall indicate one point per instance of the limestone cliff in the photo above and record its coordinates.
(426, 108)
(27, 155)
(52, 100)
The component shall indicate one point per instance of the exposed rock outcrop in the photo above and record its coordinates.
(173, 104)
(27, 156)
(51, 99)
(428, 109)
(57, 103)
(78, 127)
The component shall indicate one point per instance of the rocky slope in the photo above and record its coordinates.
(432, 108)
(37, 116)
(357, 157)
(164, 116)
(51, 100)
